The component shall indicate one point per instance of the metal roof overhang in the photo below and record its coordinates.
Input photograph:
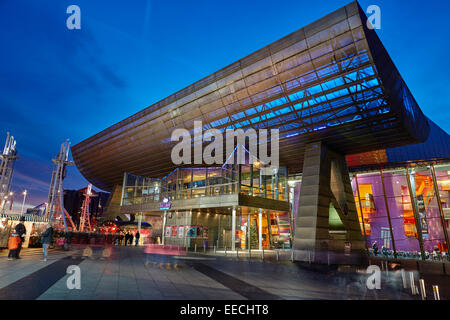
(321, 82)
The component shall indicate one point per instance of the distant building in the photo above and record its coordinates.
(73, 202)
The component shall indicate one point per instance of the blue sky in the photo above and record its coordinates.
(57, 83)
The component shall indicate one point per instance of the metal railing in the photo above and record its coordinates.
(183, 194)
(206, 191)
(28, 217)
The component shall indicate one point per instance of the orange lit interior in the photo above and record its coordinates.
(367, 207)
(424, 188)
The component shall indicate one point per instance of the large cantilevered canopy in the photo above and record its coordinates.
(331, 81)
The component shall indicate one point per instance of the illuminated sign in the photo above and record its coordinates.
(165, 206)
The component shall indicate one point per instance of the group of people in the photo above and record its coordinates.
(436, 254)
(128, 237)
(17, 238)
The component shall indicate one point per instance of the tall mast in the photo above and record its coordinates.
(55, 204)
(8, 157)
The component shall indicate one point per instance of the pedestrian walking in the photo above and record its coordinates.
(375, 248)
(22, 232)
(137, 237)
(13, 245)
(131, 239)
(127, 237)
(46, 240)
(121, 238)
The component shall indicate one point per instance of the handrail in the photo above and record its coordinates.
(28, 217)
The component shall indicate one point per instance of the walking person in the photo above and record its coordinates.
(22, 232)
(46, 240)
(375, 248)
(121, 238)
(137, 236)
(13, 245)
(127, 237)
(131, 239)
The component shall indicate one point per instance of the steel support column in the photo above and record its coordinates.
(124, 182)
(260, 229)
(269, 228)
(388, 213)
(238, 190)
(251, 179)
(326, 184)
(412, 196)
(233, 229)
(362, 215)
(163, 236)
(248, 231)
(441, 211)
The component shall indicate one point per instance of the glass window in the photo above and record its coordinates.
(372, 213)
(402, 215)
(443, 182)
(428, 212)
(199, 182)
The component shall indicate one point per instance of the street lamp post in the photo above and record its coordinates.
(3, 204)
(24, 197)
(11, 200)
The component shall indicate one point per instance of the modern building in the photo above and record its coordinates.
(338, 101)
(402, 196)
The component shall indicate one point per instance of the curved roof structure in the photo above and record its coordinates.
(436, 148)
(331, 81)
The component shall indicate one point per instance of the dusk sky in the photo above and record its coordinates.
(57, 83)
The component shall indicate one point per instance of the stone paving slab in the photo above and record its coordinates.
(129, 274)
(12, 271)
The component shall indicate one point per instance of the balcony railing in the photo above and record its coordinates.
(206, 191)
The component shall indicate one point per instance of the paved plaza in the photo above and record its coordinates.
(127, 273)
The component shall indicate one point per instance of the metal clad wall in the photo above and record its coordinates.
(316, 84)
(437, 146)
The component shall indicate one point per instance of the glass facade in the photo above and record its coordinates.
(397, 216)
(212, 225)
(399, 211)
(377, 204)
(187, 183)
(201, 228)
(403, 212)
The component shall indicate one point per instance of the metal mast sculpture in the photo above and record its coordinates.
(55, 205)
(85, 219)
(8, 157)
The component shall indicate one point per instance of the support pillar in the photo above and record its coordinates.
(269, 229)
(163, 236)
(362, 215)
(233, 229)
(260, 229)
(248, 231)
(388, 213)
(139, 222)
(326, 184)
(413, 198)
(113, 205)
(441, 211)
